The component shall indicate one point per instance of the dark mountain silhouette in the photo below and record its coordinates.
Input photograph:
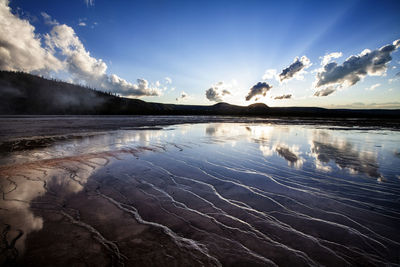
(26, 94)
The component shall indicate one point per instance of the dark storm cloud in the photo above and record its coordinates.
(283, 97)
(297, 66)
(356, 67)
(326, 91)
(260, 88)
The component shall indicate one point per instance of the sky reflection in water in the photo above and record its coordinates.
(303, 170)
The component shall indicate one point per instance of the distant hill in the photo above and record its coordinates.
(26, 94)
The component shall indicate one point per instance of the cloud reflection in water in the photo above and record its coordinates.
(250, 177)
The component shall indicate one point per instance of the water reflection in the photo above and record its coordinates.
(294, 145)
(268, 137)
(21, 184)
(59, 169)
(325, 148)
(267, 193)
(292, 155)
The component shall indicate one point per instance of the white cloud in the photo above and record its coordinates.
(296, 69)
(217, 91)
(82, 24)
(125, 88)
(82, 66)
(261, 88)
(20, 47)
(327, 58)
(270, 74)
(22, 50)
(373, 87)
(357, 67)
(326, 91)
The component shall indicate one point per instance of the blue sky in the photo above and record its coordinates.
(228, 45)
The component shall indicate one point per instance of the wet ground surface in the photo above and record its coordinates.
(30, 127)
(248, 193)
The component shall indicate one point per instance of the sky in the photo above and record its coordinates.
(333, 54)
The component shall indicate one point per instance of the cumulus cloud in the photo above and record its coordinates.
(22, 50)
(217, 91)
(270, 74)
(283, 97)
(372, 87)
(122, 87)
(82, 24)
(79, 62)
(295, 69)
(182, 96)
(20, 47)
(89, 70)
(168, 80)
(327, 58)
(326, 91)
(357, 67)
(260, 88)
(213, 95)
